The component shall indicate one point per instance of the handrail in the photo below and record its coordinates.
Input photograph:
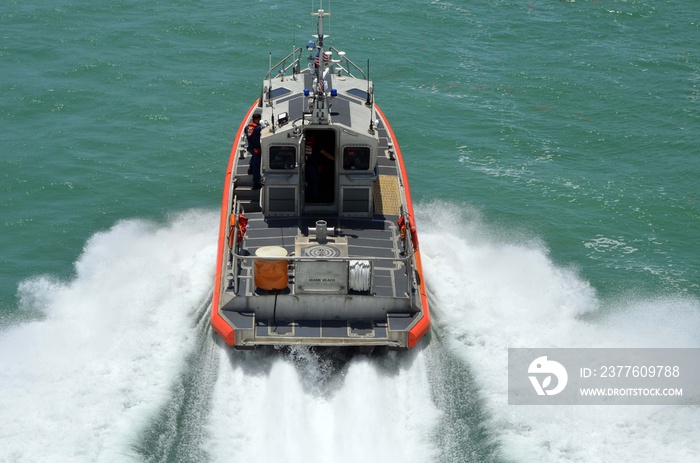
(236, 208)
(324, 259)
(348, 62)
(283, 61)
(407, 261)
(297, 60)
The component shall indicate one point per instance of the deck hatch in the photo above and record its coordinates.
(356, 92)
(278, 92)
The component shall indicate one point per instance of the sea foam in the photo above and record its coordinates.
(494, 291)
(78, 384)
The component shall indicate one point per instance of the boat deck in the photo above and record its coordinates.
(377, 238)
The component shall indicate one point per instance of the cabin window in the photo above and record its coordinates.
(283, 157)
(356, 158)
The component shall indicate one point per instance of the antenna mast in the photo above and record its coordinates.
(320, 113)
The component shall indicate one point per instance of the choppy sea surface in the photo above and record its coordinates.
(553, 150)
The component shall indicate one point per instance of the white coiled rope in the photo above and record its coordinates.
(360, 275)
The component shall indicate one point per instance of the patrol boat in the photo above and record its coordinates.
(324, 252)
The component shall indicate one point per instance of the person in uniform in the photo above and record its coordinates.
(318, 160)
(252, 134)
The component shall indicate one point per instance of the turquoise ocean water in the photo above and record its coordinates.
(553, 150)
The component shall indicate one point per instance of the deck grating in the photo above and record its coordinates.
(387, 197)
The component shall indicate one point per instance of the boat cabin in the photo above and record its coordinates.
(323, 171)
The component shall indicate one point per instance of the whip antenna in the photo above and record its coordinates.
(269, 97)
(369, 101)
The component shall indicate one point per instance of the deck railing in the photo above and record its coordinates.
(293, 61)
(283, 66)
(237, 260)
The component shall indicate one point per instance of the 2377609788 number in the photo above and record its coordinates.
(636, 371)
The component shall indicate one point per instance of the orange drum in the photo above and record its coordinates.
(271, 272)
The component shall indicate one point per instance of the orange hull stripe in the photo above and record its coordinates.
(423, 325)
(217, 322)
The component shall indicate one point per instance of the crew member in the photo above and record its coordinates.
(252, 134)
(318, 161)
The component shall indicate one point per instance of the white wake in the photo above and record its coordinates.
(79, 384)
(86, 381)
(278, 412)
(496, 293)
